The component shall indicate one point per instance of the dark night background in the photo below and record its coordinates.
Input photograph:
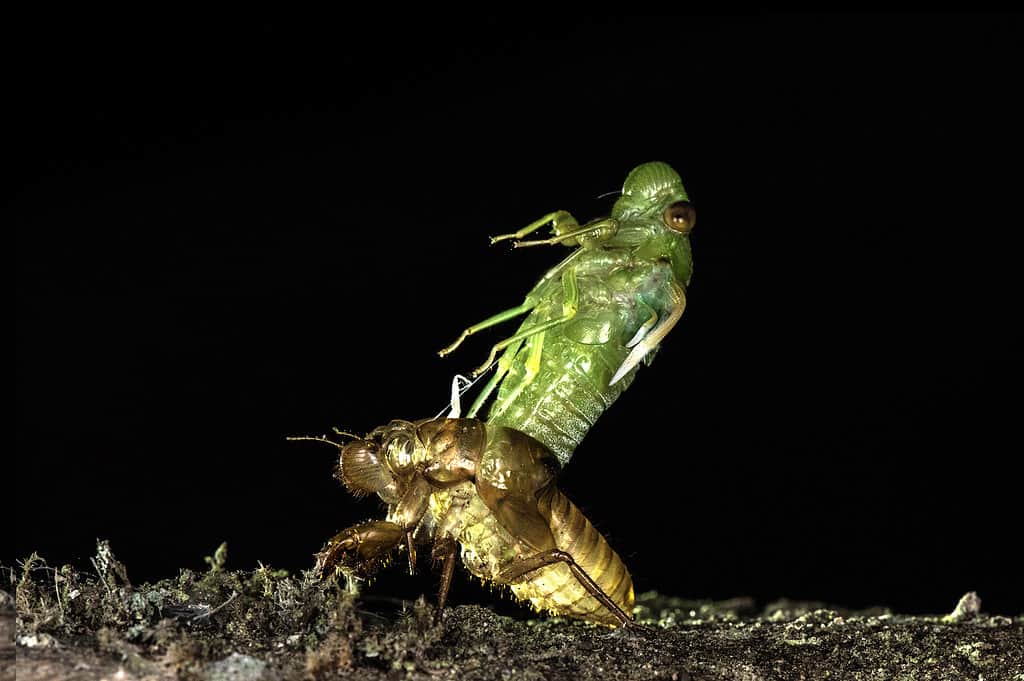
(233, 231)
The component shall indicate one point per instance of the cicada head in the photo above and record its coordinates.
(649, 190)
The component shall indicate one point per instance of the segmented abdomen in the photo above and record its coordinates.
(555, 589)
(566, 397)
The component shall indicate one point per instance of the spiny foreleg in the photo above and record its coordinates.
(359, 546)
(362, 546)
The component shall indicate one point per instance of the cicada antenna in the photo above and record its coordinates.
(611, 193)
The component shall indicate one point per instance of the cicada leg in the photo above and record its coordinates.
(494, 320)
(560, 220)
(512, 312)
(537, 561)
(598, 230)
(531, 367)
(645, 328)
(504, 364)
(570, 303)
(656, 335)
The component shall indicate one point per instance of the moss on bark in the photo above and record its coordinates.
(264, 624)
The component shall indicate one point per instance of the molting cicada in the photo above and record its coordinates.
(594, 317)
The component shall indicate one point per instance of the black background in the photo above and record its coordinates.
(233, 230)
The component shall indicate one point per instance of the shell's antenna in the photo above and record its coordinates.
(323, 438)
(312, 438)
(611, 193)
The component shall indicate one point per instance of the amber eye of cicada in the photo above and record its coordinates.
(680, 216)
(361, 468)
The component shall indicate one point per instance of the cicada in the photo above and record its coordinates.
(490, 490)
(594, 317)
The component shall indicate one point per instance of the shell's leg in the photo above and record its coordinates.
(561, 220)
(570, 304)
(444, 551)
(366, 542)
(459, 385)
(410, 545)
(537, 561)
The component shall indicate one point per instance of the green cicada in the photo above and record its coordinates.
(595, 316)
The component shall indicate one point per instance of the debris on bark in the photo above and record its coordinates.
(225, 625)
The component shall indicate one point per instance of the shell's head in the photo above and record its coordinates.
(650, 189)
(381, 463)
(363, 469)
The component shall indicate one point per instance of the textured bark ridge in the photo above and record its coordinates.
(57, 623)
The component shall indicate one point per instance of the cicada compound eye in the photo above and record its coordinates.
(362, 470)
(680, 216)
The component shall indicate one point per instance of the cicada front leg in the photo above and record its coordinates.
(561, 222)
(567, 231)
(649, 336)
(586, 236)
